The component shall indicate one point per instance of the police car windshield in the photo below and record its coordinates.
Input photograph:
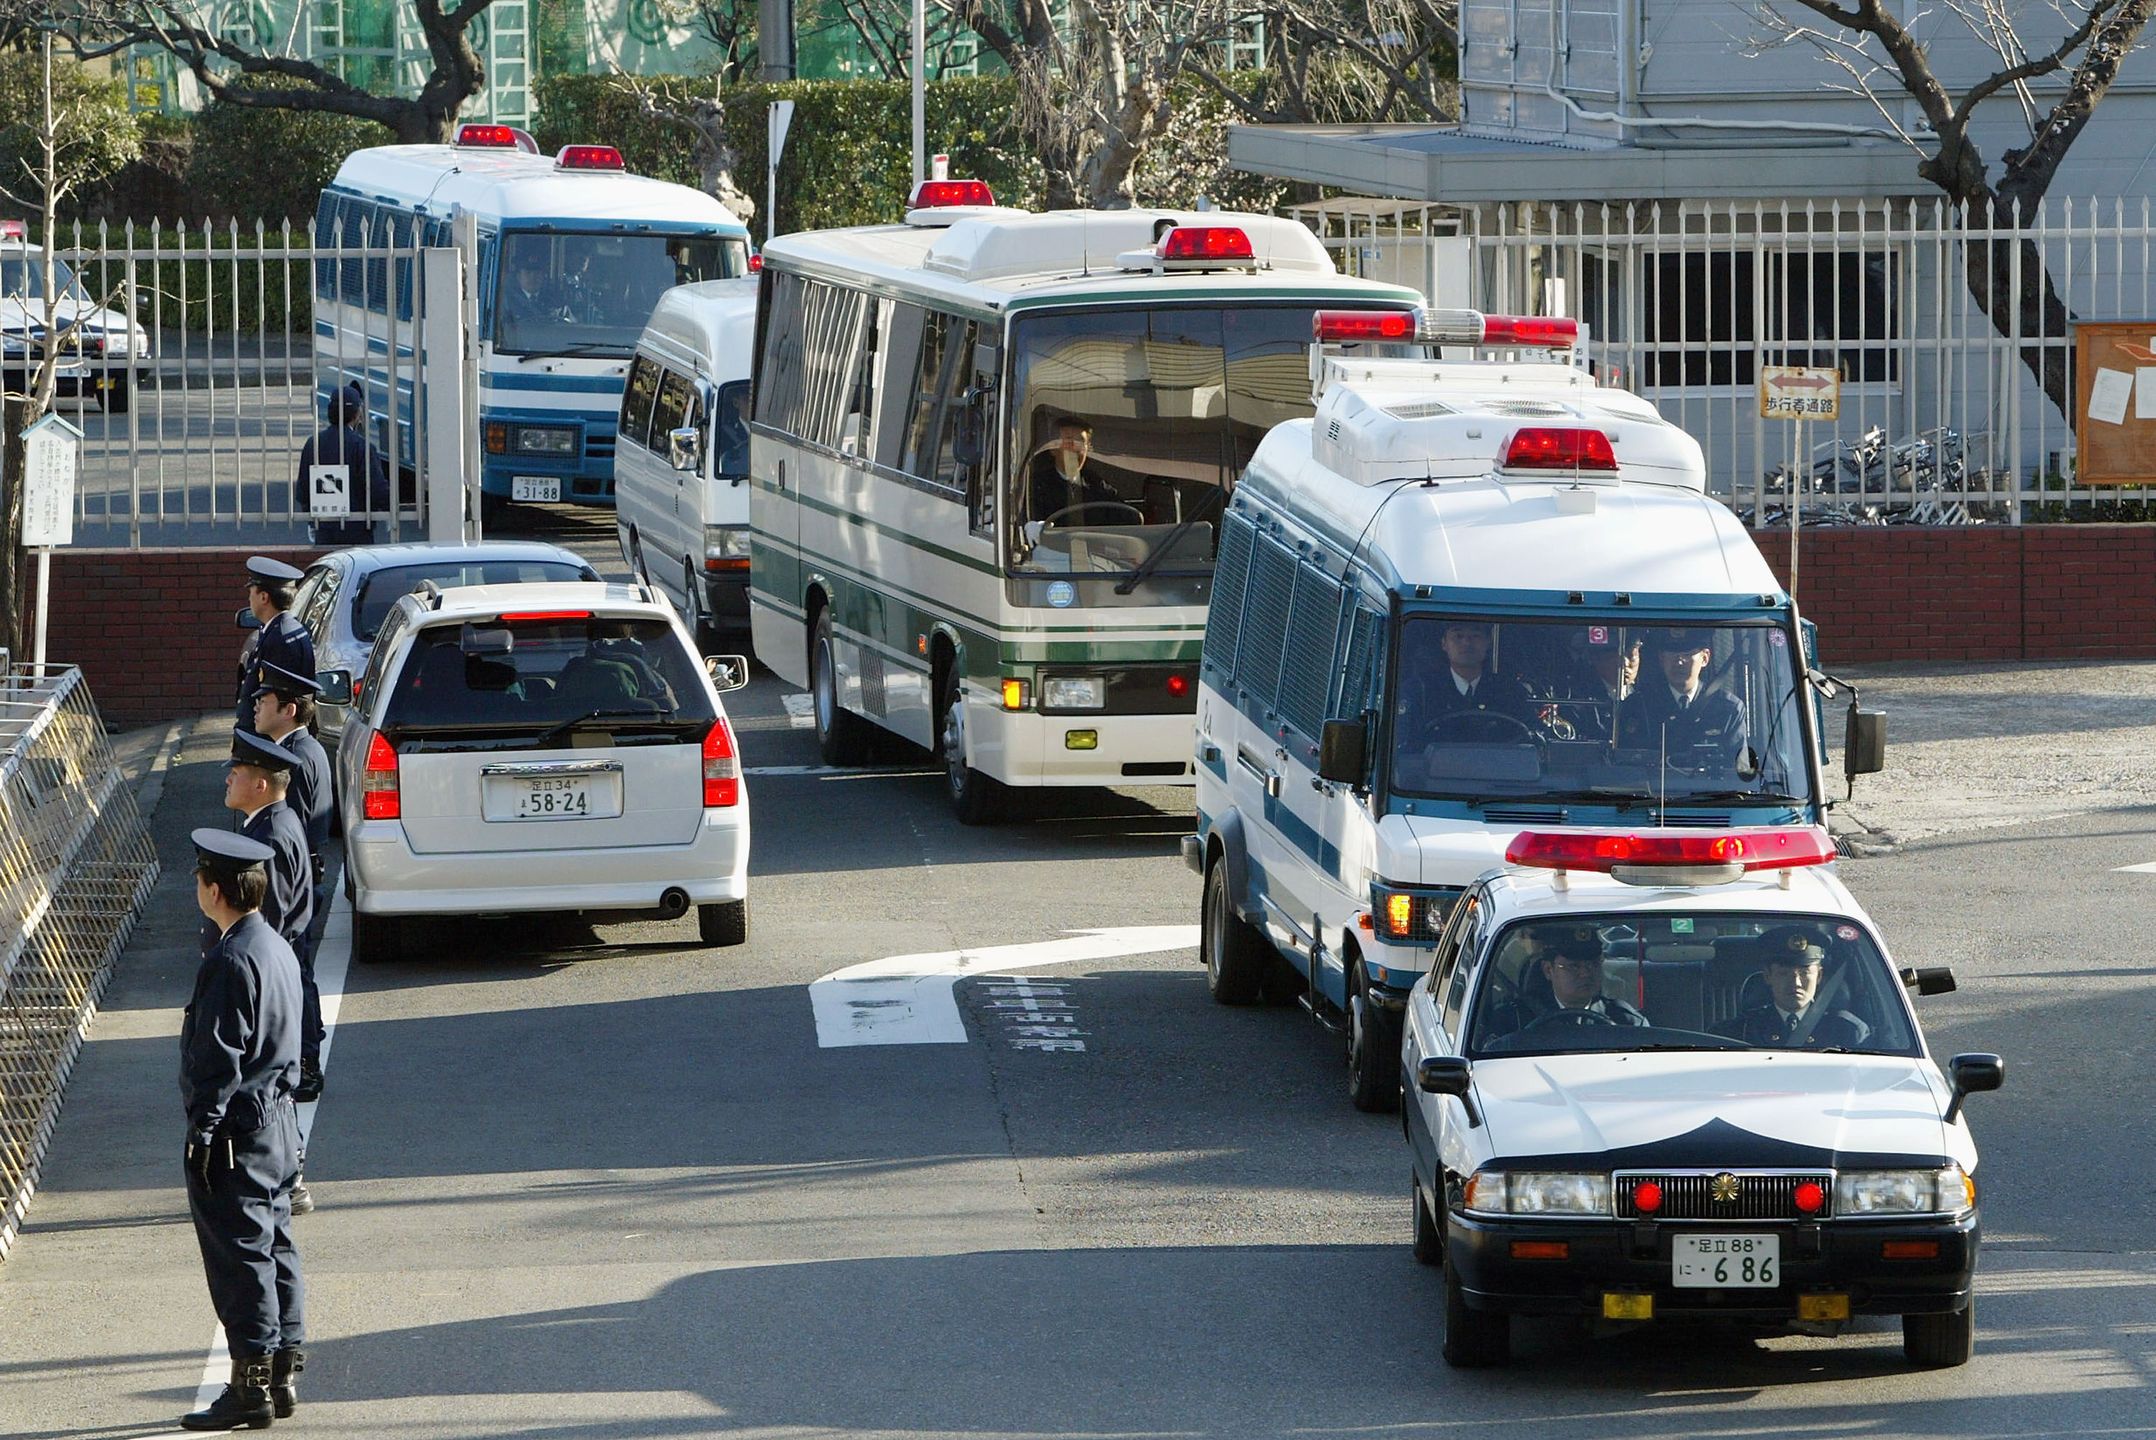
(562, 293)
(1127, 429)
(1597, 710)
(22, 277)
(379, 590)
(1687, 980)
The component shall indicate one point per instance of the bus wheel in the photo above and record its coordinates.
(842, 735)
(493, 511)
(1373, 1052)
(1235, 954)
(975, 797)
(692, 608)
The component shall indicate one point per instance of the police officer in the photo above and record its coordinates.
(239, 1057)
(1568, 957)
(278, 637)
(284, 708)
(1698, 725)
(1468, 687)
(1792, 1016)
(343, 441)
(258, 780)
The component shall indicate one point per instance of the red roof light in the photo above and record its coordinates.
(937, 194)
(1604, 851)
(589, 157)
(1204, 242)
(1553, 332)
(1348, 325)
(487, 137)
(1550, 447)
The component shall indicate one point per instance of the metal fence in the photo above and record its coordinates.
(193, 434)
(1943, 417)
(76, 869)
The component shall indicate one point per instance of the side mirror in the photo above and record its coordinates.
(727, 672)
(1931, 980)
(1343, 751)
(245, 619)
(1864, 742)
(336, 686)
(684, 447)
(1972, 1074)
(1443, 1075)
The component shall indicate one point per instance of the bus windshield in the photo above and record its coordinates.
(565, 293)
(1598, 710)
(1129, 428)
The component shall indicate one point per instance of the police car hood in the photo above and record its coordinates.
(1719, 1109)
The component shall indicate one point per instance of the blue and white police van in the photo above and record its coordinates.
(1474, 595)
(574, 253)
(1674, 1074)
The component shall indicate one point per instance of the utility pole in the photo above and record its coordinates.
(775, 39)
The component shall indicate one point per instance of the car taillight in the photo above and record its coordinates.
(722, 767)
(378, 782)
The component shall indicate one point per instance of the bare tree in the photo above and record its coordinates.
(1872, 47)
(885, 30)
(1330, 61)
(704, 117)
(274, 76)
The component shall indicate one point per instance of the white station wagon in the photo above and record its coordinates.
(544, 747)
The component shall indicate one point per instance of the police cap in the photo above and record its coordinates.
(249, 748)
(289, 684)
(262, 570)
(1791, 945)
(1683, 641)
(228, 854)
(1572, 942)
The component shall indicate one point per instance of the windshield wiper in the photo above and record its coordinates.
(1151, 562)
(589, 347)
(552, 730)
(1721, 797)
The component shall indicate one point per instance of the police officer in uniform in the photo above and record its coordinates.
(1568, 959)
(258, 780)
(1466, 688)
(1791, 1016)
(239, 1058)
(1700, 725)
(284, 708)
(278, 638)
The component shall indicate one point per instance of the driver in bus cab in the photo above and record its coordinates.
(530, 298)
(1063, 489)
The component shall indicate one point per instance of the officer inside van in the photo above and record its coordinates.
(1467, 700)
(1699, 725)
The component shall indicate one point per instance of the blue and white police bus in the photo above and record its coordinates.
(573, 254)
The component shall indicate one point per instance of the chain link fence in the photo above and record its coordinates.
(76, 868)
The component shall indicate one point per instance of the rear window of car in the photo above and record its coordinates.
(517, 676)
(381, 589)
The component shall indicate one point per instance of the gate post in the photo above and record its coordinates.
(444, 372)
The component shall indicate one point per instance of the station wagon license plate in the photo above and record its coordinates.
(534, 487)
(1726, 1262)
(557, 798)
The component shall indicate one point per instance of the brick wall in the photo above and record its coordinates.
(152, 629)
(2039, 592)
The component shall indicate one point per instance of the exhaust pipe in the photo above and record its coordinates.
(674, 903)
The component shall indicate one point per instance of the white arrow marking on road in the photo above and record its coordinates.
(2146, 867)
(912, 1000)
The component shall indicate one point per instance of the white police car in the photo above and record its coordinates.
(103, 351)
(1674, 1074)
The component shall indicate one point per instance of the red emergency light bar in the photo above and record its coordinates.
(487, 137)
(1449, 327)
(1604, 852)
(1205, 242)
(589, 157)
(940, 194)
(14, 230)
(1551, 447)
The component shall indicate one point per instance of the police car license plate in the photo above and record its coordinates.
(560, 798)
(1726, 1262)
(534, 487)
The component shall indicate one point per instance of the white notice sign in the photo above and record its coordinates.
(329, 492)
(1799, 392)
(2108, 395)
(51, 453)
(2145, 393)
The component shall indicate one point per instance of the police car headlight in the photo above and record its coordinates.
(1945, 1191)
(1073, 692)
(543, 440)
(1494, 1192)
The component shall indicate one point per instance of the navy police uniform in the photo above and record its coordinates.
(239, 1058)
(289, 907)
(283, 641)
(310, 800)
(1704, 729)
(343, 441)
(1815, 1026)
(1535, 999)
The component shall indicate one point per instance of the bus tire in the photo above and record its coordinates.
(1235, 955)
(493, 511)
(1373, 1052)
(976, 799)
(692, 608)
(841, 735)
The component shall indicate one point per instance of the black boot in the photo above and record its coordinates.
(285, 1366)
(245, 1403)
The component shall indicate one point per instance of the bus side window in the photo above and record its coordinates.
(951, 387)
(636, 398)
(927, 395)
(971, 442)
(778, 373)
(894, 380)
(1355, 667)
(859, 407)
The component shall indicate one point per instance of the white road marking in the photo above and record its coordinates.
(332, 961)
(2146, 867)
(801, 710)
(1034, 1010)
(911, 999)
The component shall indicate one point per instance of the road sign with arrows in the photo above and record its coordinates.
(1799, 392)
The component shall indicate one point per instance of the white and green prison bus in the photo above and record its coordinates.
(990, 451)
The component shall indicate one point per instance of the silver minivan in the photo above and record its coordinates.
(681, 469)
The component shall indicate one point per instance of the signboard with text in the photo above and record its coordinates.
(2115, 404)
(51, 452)
(1799, 392)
